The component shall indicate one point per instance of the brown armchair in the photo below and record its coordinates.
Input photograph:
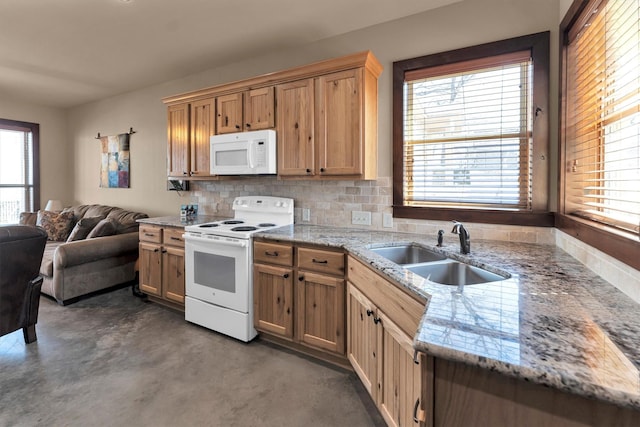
(21, 249)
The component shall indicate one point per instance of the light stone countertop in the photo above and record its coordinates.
(553, 322)
(175, 221)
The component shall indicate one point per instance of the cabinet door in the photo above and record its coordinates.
(273, 300)
(202, 127)
(362, 349)
(295, 128)
(339, 126)
(173, 274)
(399, 377)
(178, 141)
(259, 108)
(229, 113)
(320, 309)
(150, 275)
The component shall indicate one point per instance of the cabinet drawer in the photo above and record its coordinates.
(402, 308)
(272, 253)
(150, 233)
(173, 237)
(322, 261)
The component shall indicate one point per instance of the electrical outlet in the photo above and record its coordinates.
(387, 220)
(306, 214)
(360, 218)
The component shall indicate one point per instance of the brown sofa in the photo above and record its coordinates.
(72, 269)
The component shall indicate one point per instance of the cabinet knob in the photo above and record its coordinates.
(248, 125)
(184, 173)
(237, 126)
(415, 357)
(369, 313)
(300, 278)
(286, 275)
(295, 126)
(321, 169)
(308, 170)
(377, 320)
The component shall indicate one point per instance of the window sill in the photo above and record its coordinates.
(617, 244)
(538, 219)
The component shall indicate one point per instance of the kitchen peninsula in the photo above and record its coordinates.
(553, 343)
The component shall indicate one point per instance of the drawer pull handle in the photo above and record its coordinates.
(176, 238)
(274, 253)
(415, 411)
(319, 261)
(415, 357)
(149, 234)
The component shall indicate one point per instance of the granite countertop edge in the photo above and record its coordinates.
(535, 368)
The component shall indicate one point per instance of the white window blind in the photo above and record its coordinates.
(603, 115)
(468, 134)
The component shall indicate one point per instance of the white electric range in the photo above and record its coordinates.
(218, 265)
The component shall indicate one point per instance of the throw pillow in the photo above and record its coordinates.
(57, 225)
(83, 228)
(106, 227)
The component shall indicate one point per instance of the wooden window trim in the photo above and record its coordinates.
(539, 46)
(621, 245)
(35, 134)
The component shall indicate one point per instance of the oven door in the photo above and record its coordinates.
(217, 271)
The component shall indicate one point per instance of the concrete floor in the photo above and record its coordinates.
(114, 360)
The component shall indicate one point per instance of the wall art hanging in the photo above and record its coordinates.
(115, 160)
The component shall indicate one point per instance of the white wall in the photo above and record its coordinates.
(56, 178)
(463, 24)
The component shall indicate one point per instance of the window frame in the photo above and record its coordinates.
(35, 140)
(538, 44)
(619, 244)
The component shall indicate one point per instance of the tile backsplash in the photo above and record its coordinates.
(331, 203)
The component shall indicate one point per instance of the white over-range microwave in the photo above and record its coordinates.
(244, 153)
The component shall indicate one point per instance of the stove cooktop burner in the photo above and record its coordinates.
(266, 224)
(233, 221)
(208, 225)
(244, 228)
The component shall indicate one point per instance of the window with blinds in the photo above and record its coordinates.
(602, 115)
(18, 175)
(468, 133)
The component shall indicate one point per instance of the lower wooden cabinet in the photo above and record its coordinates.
(161, 260)
(381, 351)
(273, 300)
(299, 295)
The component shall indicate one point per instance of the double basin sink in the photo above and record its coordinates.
(436, 267)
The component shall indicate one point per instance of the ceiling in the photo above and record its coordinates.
(65, 53)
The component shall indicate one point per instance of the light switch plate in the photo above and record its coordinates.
(306, 214)
(360, 218)
(387, 220)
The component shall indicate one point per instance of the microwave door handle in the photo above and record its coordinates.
(251, 154)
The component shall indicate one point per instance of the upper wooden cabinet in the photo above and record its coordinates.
(327, 126)
(325, 115)
(189, 127)
(244, 111)
(295, 131)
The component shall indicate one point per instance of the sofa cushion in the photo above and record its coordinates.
(28, 218)
(46, 268)
(98, 210)
(106, 227)
(57, 225)
(126, 220)
(83, 227)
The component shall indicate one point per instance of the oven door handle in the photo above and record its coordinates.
(222, 242)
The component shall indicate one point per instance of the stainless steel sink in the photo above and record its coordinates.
(455, 273)
(408, 254)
